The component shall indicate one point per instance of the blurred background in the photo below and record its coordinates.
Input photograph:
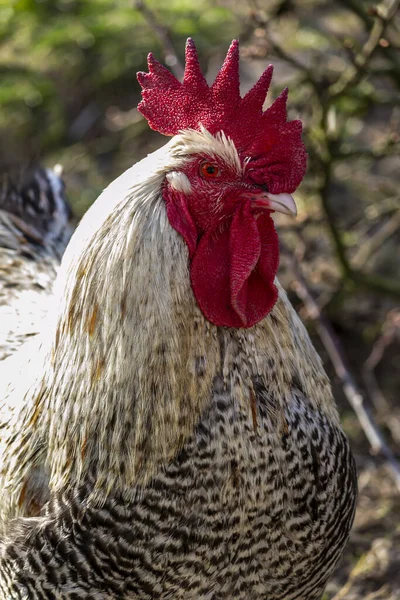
(68, 95)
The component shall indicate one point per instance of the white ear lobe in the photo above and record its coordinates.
(179, 182)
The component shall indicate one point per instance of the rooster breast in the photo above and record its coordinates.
(257, 505)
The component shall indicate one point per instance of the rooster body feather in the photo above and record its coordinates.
(166, 456)
(34, 232)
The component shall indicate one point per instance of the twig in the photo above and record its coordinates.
(290, 59)
(388, 146)
(383, 342)
(374, 391)
(376, 283)
(358, 7)
(331, 221)
(262, 19)
(353, 74)
(367, 250)
(369, 281)
(170, 55)
(339, 362)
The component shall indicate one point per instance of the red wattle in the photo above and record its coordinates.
(244, 252)
(233, 270)
(181, 219)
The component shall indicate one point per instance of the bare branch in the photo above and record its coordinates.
(384, 341)
(339, 362)
(331, 221)
(354, 73)
(262, 19)
(370, 281)
(390, 331)
(280, 52)
(170, 55)
(368, 249)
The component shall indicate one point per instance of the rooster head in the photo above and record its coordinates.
(239, 164)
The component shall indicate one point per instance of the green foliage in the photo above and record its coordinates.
(58, 55)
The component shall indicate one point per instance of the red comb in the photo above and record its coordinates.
(274, 145)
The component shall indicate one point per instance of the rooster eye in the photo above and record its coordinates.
(209, 170)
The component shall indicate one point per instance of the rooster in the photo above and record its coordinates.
(178, 437)
(34, 231)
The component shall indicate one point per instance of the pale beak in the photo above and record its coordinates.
(282, 203)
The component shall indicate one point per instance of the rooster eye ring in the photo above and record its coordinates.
(209, 170)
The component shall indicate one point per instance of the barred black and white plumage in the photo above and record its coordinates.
(214, 525)
(155, 454)
(34, 231)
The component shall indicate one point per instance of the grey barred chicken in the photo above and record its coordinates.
(34, 232)
(177, 437)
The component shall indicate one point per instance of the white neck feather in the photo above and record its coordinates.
(121, 393)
